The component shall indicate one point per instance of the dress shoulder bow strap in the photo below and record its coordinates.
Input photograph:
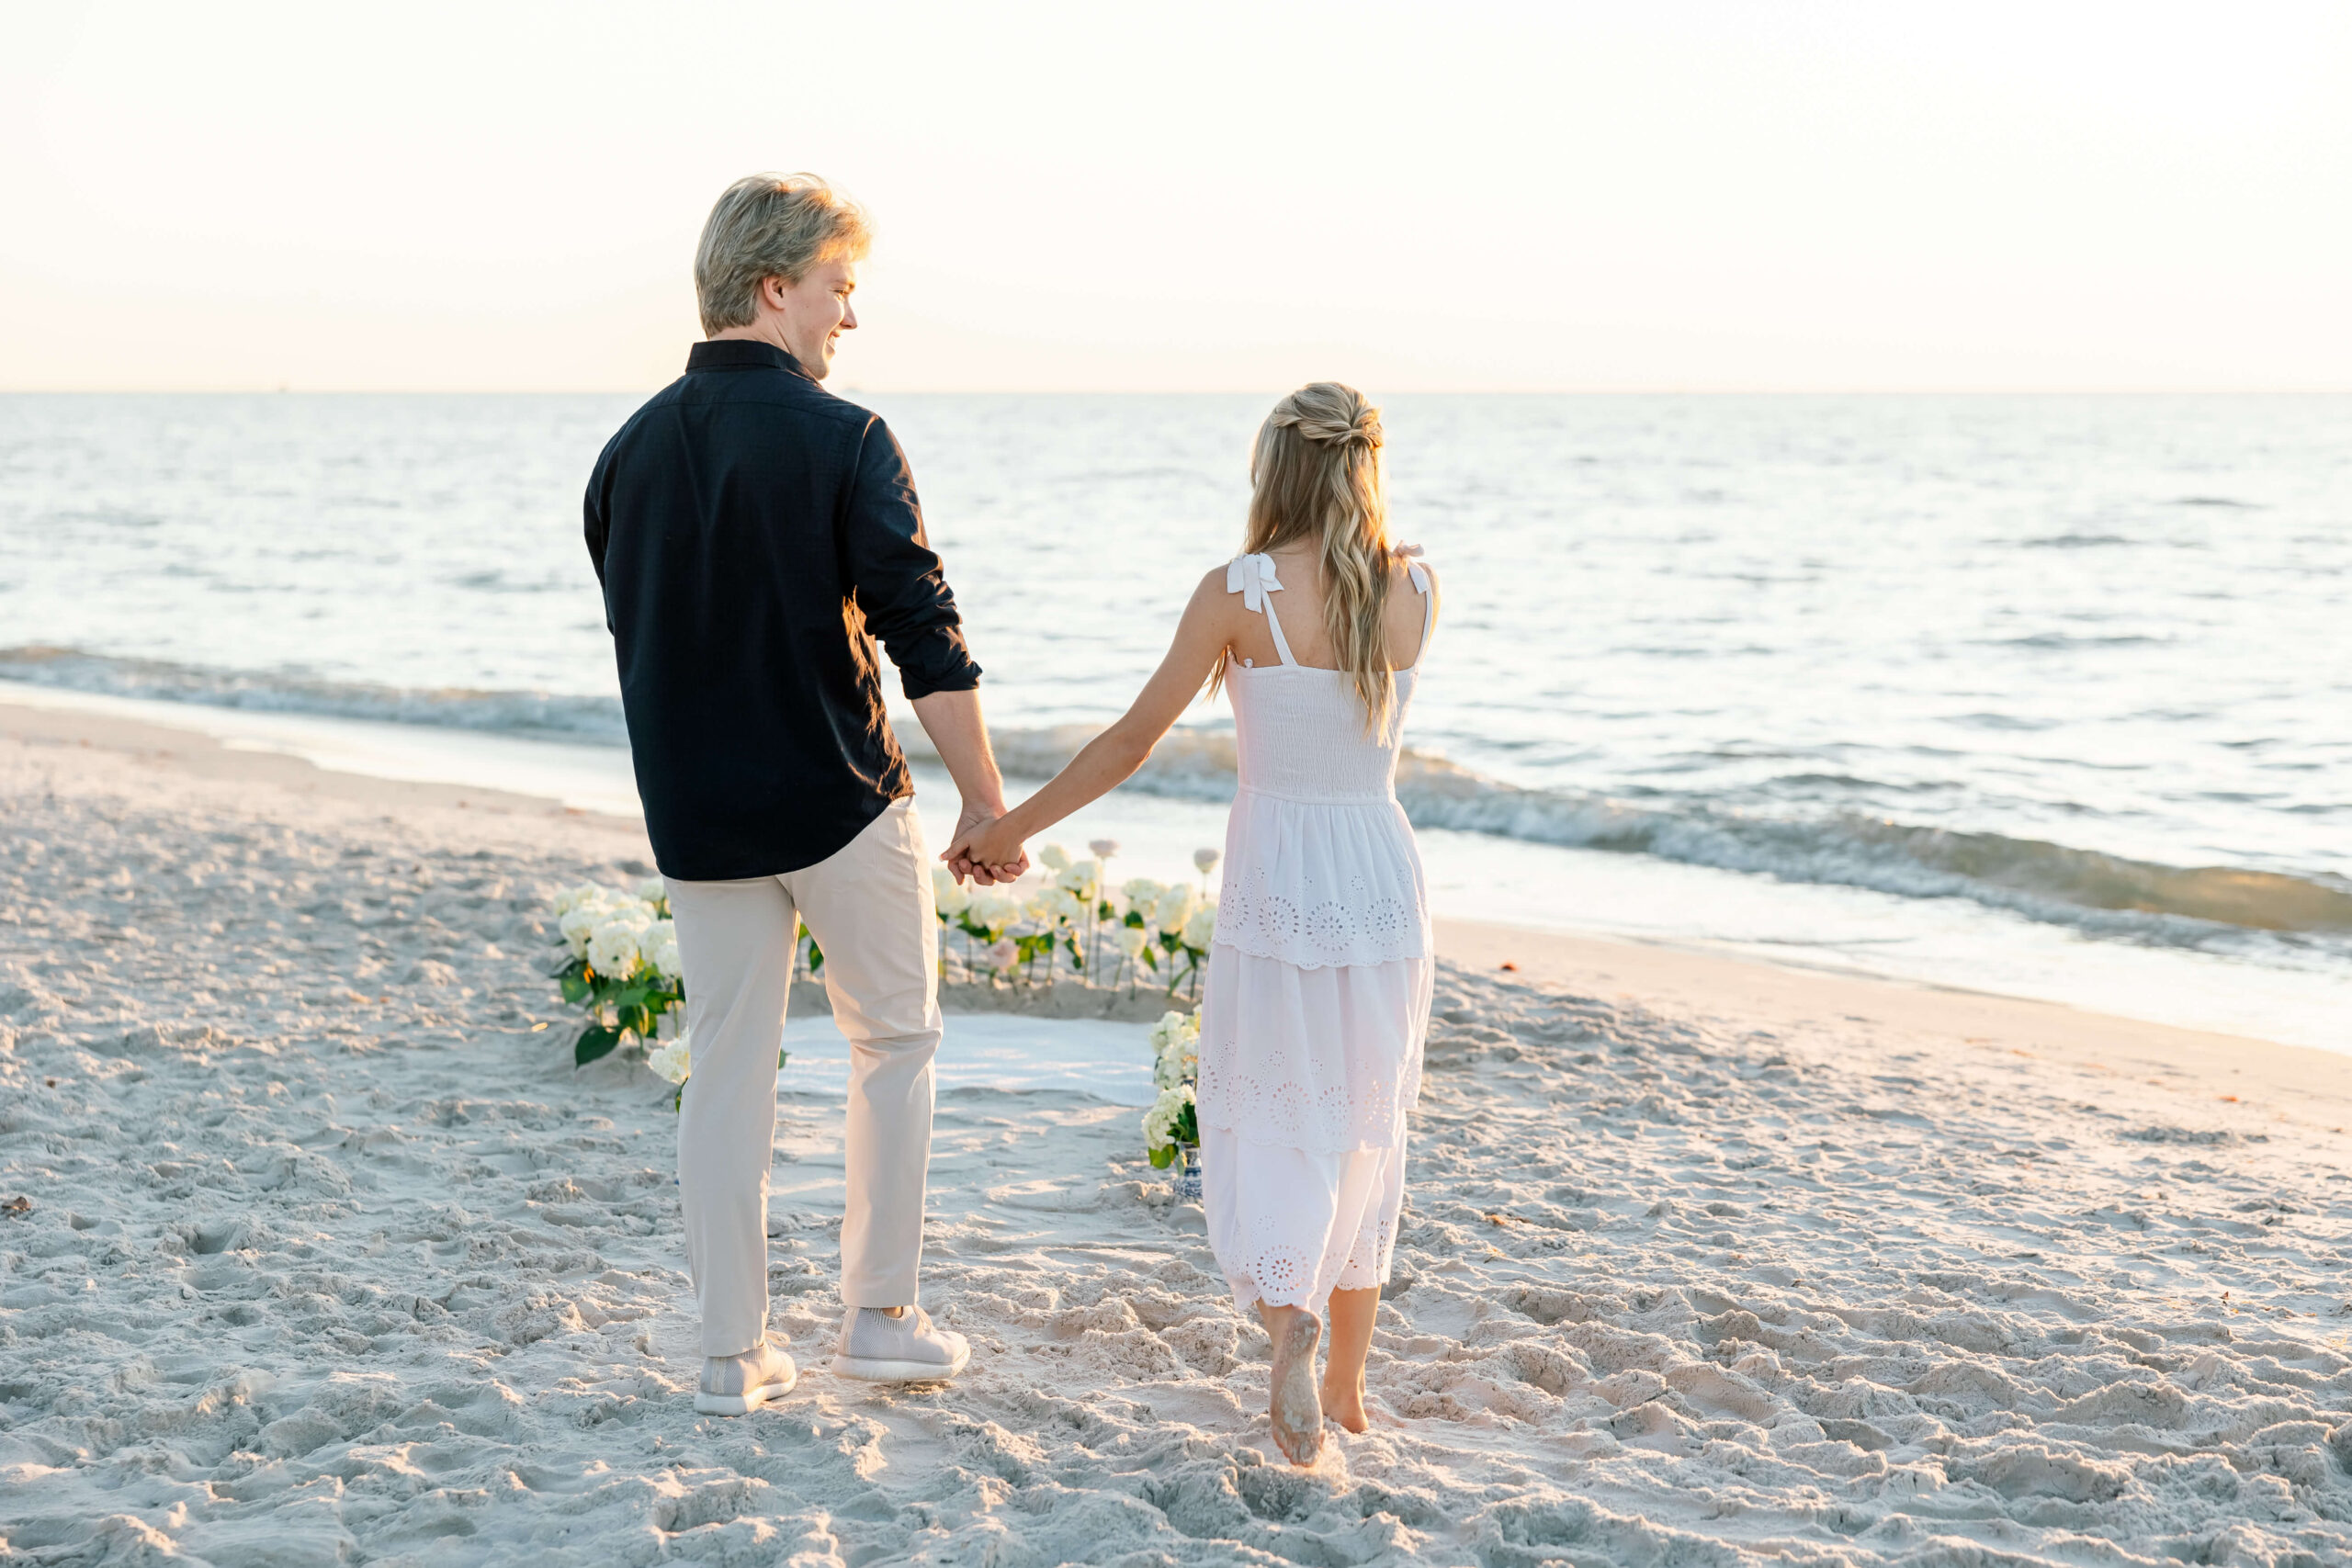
(1411, 556)
(1253, 577)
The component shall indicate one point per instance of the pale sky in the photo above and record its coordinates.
(1877, 195)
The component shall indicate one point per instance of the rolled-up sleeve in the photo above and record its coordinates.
(901, 589)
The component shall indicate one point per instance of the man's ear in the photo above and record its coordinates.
(772, 289)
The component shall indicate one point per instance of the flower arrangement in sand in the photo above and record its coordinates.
(1106, 936)
(625, 969)
(624, 965)
(1172, 1125)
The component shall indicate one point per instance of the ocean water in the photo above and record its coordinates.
(2040, 694)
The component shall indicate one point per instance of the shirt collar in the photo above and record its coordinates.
(742, 354)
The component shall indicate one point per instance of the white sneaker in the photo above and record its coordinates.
(737, 1385)
(881, 1349)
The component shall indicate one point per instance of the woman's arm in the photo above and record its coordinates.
(1112, 757)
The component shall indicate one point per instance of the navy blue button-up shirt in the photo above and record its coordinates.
(755, 535)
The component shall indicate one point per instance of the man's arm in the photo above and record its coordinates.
(960, 736)
(903, 592)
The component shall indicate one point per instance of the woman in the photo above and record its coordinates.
(1317, 1000)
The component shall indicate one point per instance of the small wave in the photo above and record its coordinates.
(2077, 542)
(541, 713)
(2108, 894)
(2104, 893)
(2064, 641)
(2216, 501)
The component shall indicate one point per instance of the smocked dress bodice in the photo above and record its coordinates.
(1320, 867)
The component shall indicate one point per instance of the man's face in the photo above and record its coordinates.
(815, 311)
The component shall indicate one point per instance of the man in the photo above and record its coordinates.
(755, 535)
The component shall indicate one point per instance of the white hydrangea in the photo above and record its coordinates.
(1159, 1121)
(572, 899)
(1141, 892)
(1131, 940)
(652, 891)
(951, 897)
(1172, 908)
(1200, 928)
(575, 925)
(672, 1059)
(1053, 857)
(1180, 1066)
(660, 945)
(612, 950)
(1176, 1048)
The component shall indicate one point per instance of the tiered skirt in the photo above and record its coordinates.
(1314, 1015)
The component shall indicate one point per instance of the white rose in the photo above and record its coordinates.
(671, 1059)
(1172, 908)
(1082, 878)
(1141, 892)
(1104, 848)
(1204, 860)
(1131, 940)
(1053, 857)
(1004, 955)
(951, 897)
(1200, 929)
(613, 949)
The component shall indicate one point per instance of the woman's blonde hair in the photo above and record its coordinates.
(767, 226)
(1315, 476)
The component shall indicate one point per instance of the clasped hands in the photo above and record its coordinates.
(984, 851)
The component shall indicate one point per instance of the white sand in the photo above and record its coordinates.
(330, 1258)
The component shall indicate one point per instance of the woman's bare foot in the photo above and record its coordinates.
(1345, 1405)
(1297, 1413)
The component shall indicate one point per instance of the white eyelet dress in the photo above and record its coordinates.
(1317, 1001)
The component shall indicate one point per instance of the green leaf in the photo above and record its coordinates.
(575, 989)
(1163, 1156)
(781, 1057)
(1187, 1129)
(1134, 917)
(594, 1041)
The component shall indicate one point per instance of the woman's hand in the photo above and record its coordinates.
(990, 850)
(963, 868)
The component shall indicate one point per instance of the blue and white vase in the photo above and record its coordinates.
(1186, 1182)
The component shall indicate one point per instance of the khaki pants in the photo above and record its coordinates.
(870, 905)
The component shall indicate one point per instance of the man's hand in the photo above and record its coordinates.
(987, 869)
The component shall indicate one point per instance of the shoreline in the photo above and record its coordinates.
(324, 1252)
(1682, 975)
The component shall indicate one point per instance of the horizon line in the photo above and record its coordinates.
(854, 389)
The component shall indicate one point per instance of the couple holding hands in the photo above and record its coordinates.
(755, 536)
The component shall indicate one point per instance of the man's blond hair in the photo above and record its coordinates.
(771, 226)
